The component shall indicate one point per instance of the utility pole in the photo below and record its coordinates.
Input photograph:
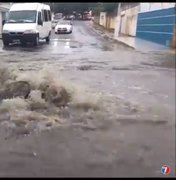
(117, 27)
(118, 11)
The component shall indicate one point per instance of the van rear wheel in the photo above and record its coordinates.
(48, 38)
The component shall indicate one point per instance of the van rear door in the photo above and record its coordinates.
(46, 22)
(40, 26)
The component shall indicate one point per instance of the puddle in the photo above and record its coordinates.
(27, 48)
(163, 64)
(73, 46)
(128, 68)
(88, 67)
(121, 68)
(166, 64)
(13, 61)
(94, 44)
(126, 121)
(107, 48)
(95, 62)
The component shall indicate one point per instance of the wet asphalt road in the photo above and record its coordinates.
(101, 65)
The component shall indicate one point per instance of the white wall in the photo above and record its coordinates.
(144, 7)
(123, 24)
(129, 21)
(134, 25)
(112, 23)
(103, 19)
(117, 27)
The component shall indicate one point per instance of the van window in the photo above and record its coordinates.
(49, 15)
(45, 15)
(22, 17)
(39, 16)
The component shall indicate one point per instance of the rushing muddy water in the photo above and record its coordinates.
(82, 109)
(35, 110)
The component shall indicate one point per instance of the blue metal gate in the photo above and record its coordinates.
(157, 26)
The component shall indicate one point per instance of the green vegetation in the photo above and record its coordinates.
(69, 8)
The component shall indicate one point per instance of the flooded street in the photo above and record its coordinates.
(120, 119)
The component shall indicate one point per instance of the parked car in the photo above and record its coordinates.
(86, 16)
(70, 17)
(25, 23)
(64, 27)
(79, 17)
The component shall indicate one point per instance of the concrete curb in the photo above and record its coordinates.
(120, 42)
(125, 44)
(109, 37)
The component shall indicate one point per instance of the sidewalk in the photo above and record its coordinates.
(100, 30)
(133, 42)
(144, 45)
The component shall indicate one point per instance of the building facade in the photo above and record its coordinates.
(107, 20)
(103, 19)
(126, 19)
(4, 8)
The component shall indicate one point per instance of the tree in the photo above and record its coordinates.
(110, 7)
(106, 7)
(97, 8)
(68, 8)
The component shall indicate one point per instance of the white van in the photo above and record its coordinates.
(27, 22)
